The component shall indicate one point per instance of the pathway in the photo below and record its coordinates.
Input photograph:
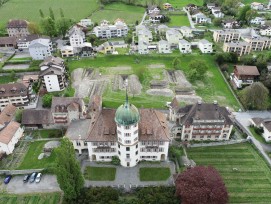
(192, 25)
(143, 18)
(128, 178)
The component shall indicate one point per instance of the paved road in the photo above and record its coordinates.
(143, 18)
(47, 184)
(192, 25)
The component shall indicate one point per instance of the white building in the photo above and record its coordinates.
(201, 18)
(86, 22)
(53, 74)
(257, 6)
(130, 134)
(77, 37)
(266, 31)
(17, 28)
(143, 47)
(144, 35)
(163, 47)
(216, 11)
(258, 21)
(105, 30)
(67, 51)
(186, 32)
(184, 46)
(265, 123)
(40, 48)
(23, 42)
(173, 37)
(205, 46)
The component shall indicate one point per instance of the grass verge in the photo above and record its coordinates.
(154, 174)
(100, 173)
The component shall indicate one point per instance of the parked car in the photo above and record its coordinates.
(38, 178)
(7, 179)
(26, 178)
(33, 177)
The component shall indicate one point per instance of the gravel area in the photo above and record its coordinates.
(188, 99)
(120, 68)
(156, 66)
(160, 92)
(134, 85)
(16, 66)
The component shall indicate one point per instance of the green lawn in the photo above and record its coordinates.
(113, 11)
(183, 3)
(178, 20)
(100, 173)
(42, 198)
(258, 137)
(50, 133)
(211, 88)
(29, 10)
(5, 79)
(31, 161)
(154, 174)
(251, 1)
(251, 183)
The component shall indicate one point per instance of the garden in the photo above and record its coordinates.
(244, 171)
(154, 174)
(100, 173)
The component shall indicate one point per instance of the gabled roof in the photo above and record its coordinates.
(28, 38)
(8, 40)
(41, 42)
(8, 132)
(36, 117)
(52, 71)
(247, 70)
(51, 60)
(17, 24)
(13, 89)
(60, 104)
(7, 114)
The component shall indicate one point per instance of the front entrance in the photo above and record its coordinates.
(163, 157)
(128, 164)
(93, 157)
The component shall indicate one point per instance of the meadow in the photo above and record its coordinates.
(178, 20)
(29, 10)
(250, 183)
(42, 198)
(211, 88)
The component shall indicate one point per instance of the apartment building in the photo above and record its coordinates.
(244, 75)
(105, 30)
(17, 28)
(205, 46)
(77, 36)
(226, 36)
(259, 43)
(40, 48)
(240, 48)
(184, 46)
(173, 37)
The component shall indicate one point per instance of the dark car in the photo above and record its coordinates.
(32, 177)
(26, 178)
(7, 179)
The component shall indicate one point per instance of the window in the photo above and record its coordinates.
(118, 146)
(120, 140)
(78, 143)
(119, 152)
(136, 146)
(135, 140)
(119, 132)
(85, 143)
(127, 141)
(112, 143)
(128, 156)
(127, 149)
(127, 134)
(136, 152)
(135, 132)
(127, 127)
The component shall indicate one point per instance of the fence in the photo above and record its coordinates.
(19, 172)
(218, 143)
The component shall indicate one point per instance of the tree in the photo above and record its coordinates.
(33, 28)
(176, 63)
(47, 101)
(63, 25)
(242, 13)
(217, 21)
(48, 26)
(250, 14)
(68, 172)
(224, 67)
(12, 75)
(255, 96)
(201, 185)
(99, 195)
(197, 70)
(41, 13)
(230, 7)
(51, 13)
(18, 115)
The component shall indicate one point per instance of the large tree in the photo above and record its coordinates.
(69, 175)
(48, 26)
(201, 185)
(197, 70)
(255, 96)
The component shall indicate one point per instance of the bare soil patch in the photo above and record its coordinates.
(160, 92)
(188, 99)
(156, 66)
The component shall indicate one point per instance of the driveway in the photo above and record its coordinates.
(47, 184)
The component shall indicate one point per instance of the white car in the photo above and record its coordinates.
(38, 178)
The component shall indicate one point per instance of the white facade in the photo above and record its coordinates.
(256, 6)
(173, 37)
(266, 31)
(205, 46)
(258, 21)
(9, 147)
(266, 134)
(186, 32)
(185, 46)
(163, 47)
(119, 29)
(145, 35)
(143, 48)
(77, 37)
(85, 22)
(52, 83)
(40, 49)
(201, 18)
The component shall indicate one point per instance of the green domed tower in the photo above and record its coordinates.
(127, 114)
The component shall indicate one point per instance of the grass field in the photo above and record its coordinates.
(250, 1)
(154, 174)
(100, 173)
(211, 88)
(50, 133)
(29, 10)
(251, 183)
(46, 198)
(5, 79)
(182, 3)
(178, 20)
(118, 10)
(31, 161)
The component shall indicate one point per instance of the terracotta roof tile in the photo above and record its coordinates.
(8, 132)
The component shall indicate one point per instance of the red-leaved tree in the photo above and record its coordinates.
(201, 185)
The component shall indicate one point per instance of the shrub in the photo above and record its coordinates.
(115, 160)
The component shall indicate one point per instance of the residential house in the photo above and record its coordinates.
(230, 23)
(105, 30)
(264, 123)
(67, 109)
(106, 48)
(240, 48)
(216, 11)
(265, 31)
(258, 21)
(7, 115)
(23, 42)
(162, 29)
(8, 43)
(211, 5)
(131, 134)
(17, 94)
(205, 46)
(186, 32)
(167, 6)
(257, 6)
(173, 37)
(40, 48)
(144, 35)
(259, 43)
(143, 47)
(184, 46)
(86, 50)
(226, 36)
(77, 36)
(53, 74)
(17, 28)
(153, 9)
(30, 79)
(155, 18)
(269, 5)
(86, 22)
(244, 75)
(201, 121)
(163, 47)
(67, 51)
(35, 118)
(201, 18)
(191, 7)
